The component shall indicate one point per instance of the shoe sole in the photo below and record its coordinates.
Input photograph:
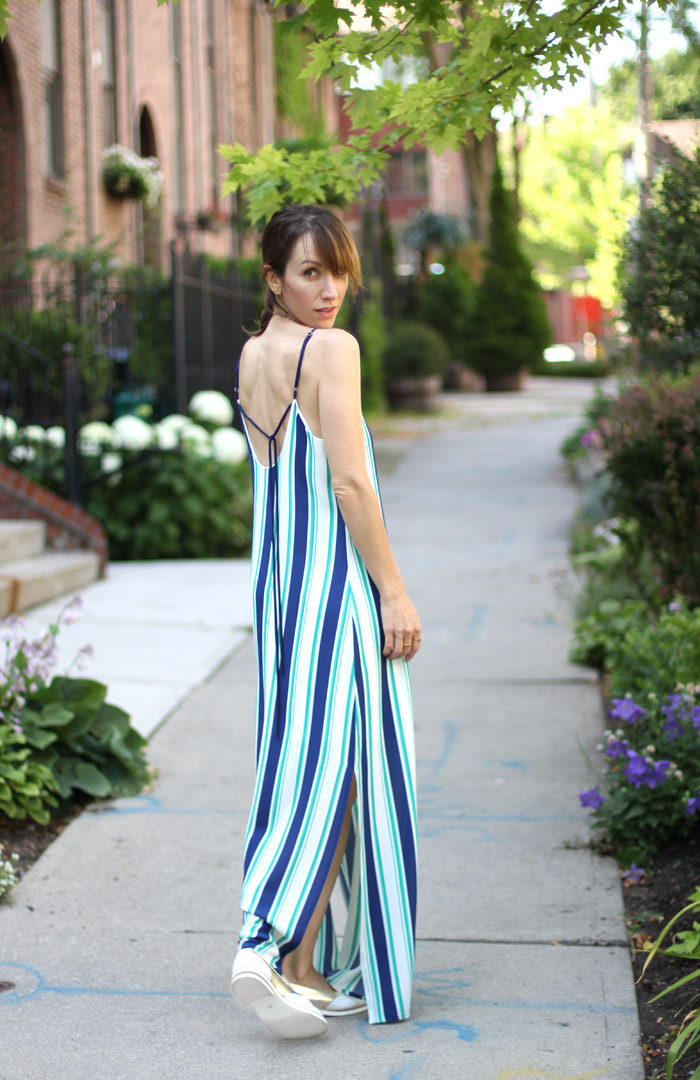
(279, 1015)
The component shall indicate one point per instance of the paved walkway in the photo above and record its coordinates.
(120, 938)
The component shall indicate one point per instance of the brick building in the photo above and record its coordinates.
(172, 82)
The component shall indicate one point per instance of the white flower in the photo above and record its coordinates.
(22, 453)
(111, 464)
(95, 435)
(196, 440)
(56, 436)
(166, 437)
(193, 433)
(229, 445)
(132, 433)
(32, 433)
(211, 406)
(8, 428)
(174, 422)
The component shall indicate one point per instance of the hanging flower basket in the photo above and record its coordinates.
(213, 219)
(125, 175)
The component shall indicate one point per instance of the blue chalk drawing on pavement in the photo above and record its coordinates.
(512, 763)
(449, 738)
(149, 804)
(441, 984)
(464, 1032)
(476, 622)
(34, 984)
(437, 815)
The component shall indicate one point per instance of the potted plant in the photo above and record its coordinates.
(510, 329)
(125, 175)
(213, 219)
(415, 361)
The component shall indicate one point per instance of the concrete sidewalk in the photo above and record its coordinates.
(120, 938)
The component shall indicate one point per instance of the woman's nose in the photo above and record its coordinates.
(329, 288)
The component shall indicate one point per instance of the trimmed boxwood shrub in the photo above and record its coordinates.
(415, 350)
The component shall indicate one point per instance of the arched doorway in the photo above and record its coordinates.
(151, 214)
(13, 206)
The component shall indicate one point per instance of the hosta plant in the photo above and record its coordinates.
(58, 734)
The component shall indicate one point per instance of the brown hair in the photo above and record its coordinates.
(334, 244)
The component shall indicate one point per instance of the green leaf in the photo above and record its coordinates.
(4, 18)
(55, 715)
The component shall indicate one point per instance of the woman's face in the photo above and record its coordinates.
(309, 290)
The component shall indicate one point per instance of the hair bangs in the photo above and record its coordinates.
(336, 249)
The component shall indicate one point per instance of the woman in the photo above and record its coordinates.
(334, 628)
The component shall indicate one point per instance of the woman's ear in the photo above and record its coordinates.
(272, 280)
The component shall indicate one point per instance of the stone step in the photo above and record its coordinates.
(21, 540)
(27, 582)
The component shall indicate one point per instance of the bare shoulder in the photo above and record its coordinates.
(336, 343)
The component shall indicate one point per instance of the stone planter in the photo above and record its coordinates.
(505, 380)
(463, 379)
(414, 393)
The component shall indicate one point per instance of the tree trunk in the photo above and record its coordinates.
(479, 158)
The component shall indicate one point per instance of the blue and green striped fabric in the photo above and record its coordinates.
(328, 705)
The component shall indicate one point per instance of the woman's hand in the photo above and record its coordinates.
(401, 625)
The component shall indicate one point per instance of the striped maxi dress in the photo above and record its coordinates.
(328, 706)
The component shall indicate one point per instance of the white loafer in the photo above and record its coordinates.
(331, 1003)
(345, 1005)
(283, 1012)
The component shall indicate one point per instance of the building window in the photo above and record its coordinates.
(179, 148)
(210, 67)
(407, 173)
(51, 64)
(109, 95)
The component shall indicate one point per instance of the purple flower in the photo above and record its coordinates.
(616, 748)
(693, 805)
(591, 798)
(626, 709)
(590, 438)
(674, 606)
(636, 769)
(634, 874)
(695, 717)
(657, 773)
(673, 726)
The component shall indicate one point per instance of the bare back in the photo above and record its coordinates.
(266, 377)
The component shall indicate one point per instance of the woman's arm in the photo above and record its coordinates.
(343, 436)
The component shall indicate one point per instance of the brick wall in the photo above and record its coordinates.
(243, 111)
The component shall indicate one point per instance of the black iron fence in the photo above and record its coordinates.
(83, 342)
(212, 310)
(41, 390)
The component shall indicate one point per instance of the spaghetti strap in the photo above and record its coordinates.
(301, 357)
(282, 419)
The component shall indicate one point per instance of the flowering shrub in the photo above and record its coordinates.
(174, 489)
(58, 734)
(651, 445)
(8, 873)
(650, 791)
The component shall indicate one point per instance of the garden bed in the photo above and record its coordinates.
(675, 872)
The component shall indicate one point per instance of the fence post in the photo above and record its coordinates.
(71, 390)
(179, 332)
